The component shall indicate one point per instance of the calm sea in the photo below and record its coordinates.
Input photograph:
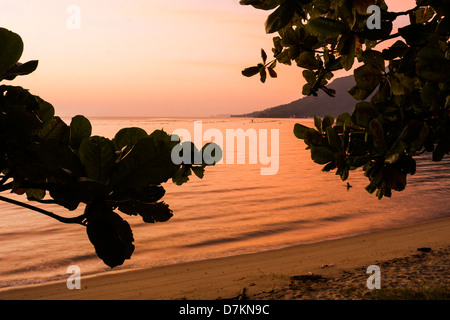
(233, 210)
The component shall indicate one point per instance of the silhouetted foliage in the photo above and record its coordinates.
(408, 113)
(53, 162)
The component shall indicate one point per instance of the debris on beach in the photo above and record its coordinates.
(425, 249)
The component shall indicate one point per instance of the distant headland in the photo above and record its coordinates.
(313, 106)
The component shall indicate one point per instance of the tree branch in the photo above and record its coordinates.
(397, 14)
(76, 220)
(49, 201)
(391, 36)
(406, 12)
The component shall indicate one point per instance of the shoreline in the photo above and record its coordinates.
(268, 274)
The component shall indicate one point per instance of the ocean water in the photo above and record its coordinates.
(233, 210)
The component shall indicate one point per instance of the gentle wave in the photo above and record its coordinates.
(232, 210)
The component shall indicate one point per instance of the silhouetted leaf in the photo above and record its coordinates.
(378, 135)
(307, 89)
(251, 71)
(343, 118)
(327, 121)
(46, 110)
(364, 112)
(65, 198)
(263, 75)
(415, 33)
(325, 27)
(11, 48)
(300, 131)
(432, 65)
(147, 194)
(80, 129)
(55, 129)
(313, 136)
(98, 157)
(272, 73)
(19, 115)
(308, 60)
(35, 194)
(322, 154)
(329, 166)
(367, 77)
(346, 48)
(401, 84)
(429, 93)
(149, 162)
(333, 138)
(261, 4)
(318, 123)
(150, 212)
(374, 58)
(181, 175)
(280, 17)
(310, 76)
(263, 56)
(398, 49)
(110, 234)
(359, 93)
(198, 171)
(55, 156)
(394, 179)
(127, 137)
(21, 69)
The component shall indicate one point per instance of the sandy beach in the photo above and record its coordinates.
(329, 270)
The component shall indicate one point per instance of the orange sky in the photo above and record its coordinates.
(153, 58)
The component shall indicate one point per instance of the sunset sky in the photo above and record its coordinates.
(158, 58)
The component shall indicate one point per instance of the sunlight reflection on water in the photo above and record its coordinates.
(233, 210)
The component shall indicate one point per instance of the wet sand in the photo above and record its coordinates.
(329, 270)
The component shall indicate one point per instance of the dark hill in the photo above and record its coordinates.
(310, 106)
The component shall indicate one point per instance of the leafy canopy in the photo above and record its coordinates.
(53, 162)
(401, 92)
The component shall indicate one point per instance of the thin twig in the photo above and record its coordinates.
(76, 220)
(391, 36)
(407, 12)
(49, 201)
